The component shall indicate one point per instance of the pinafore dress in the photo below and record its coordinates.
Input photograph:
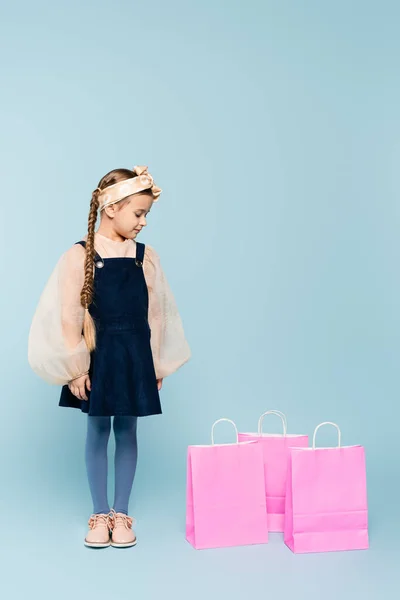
(122, 374)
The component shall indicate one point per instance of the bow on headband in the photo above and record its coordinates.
(141, 182)
(147, 180)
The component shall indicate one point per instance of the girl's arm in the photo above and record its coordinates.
(169, 346)
(57, 351)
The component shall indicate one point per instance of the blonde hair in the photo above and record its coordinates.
(89, 328)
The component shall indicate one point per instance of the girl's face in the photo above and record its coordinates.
(129, 216)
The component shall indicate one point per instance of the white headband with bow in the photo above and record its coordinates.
(117, 192)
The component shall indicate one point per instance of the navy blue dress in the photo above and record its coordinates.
(122, 374)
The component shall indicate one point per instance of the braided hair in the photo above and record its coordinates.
(89, 329)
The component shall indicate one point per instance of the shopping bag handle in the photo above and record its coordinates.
(278, 413)
(219, 421)
(327, 423)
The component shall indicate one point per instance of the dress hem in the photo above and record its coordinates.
(147, 414)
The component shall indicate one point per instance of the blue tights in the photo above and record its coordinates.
(98, 434)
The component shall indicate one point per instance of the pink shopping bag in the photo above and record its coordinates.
(275, 456)
(326, 499)
(225, 494)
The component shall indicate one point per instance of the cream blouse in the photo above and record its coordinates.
(57, 351)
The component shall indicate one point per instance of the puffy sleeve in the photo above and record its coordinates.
(57, 351)
(169, 346)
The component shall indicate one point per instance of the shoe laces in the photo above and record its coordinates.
(121, 519)
(101, 519)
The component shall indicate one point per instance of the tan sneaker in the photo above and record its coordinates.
(99, 533)
(122, 534)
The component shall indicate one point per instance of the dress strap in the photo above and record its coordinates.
(98, 261)
(140, 248)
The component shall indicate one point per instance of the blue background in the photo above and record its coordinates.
(273, 128)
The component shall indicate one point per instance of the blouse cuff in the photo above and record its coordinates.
(77, 377)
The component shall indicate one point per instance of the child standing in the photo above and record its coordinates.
(107, 329)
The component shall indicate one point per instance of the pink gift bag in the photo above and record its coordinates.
(225, 494)
(326, 499)
(275, 456)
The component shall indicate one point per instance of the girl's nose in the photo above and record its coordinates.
(143, 222)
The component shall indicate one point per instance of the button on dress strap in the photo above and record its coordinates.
(139, 254)
(98, 261)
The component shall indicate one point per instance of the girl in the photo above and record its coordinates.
(108, 330)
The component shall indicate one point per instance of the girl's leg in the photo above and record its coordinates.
(126, 451)
(98, 433)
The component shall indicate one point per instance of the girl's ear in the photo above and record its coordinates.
(110, 211)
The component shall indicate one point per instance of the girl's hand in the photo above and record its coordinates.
(159, 384)
(79, 386)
